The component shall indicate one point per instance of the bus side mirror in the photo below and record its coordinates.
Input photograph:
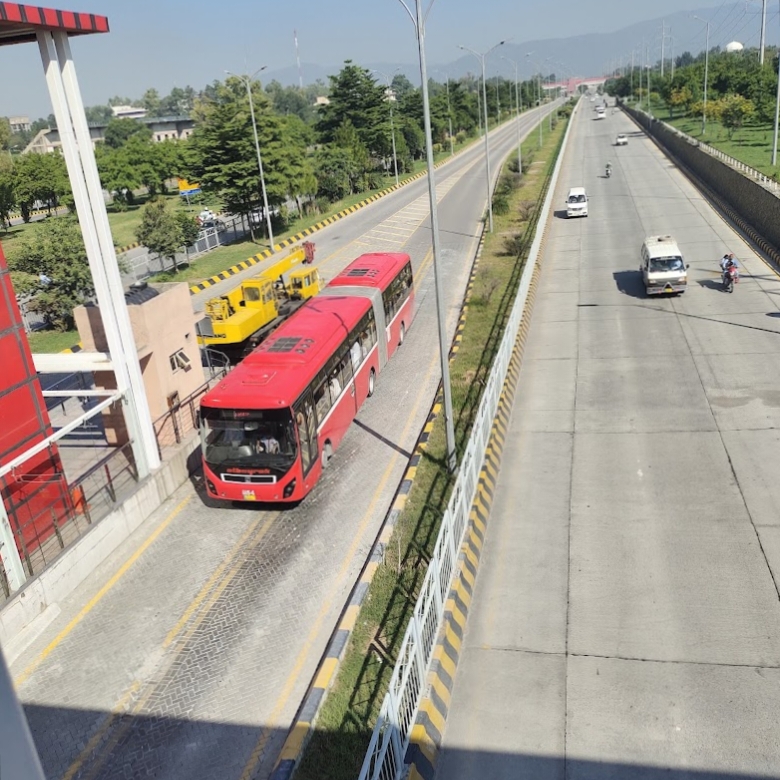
(197, 419)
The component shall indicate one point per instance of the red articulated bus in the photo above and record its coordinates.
(269, 428)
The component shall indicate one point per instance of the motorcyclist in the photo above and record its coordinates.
(727, 262)
(608, 169)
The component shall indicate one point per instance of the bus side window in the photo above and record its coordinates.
(321, 397)
(307, 431)
(345, 366)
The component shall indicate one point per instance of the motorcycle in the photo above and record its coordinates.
(730, 278)
(608, 172)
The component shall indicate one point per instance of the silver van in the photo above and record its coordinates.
(663, 268)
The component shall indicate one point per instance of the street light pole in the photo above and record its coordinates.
(247, 81)
(481, 58)
(539, 98)
(392, 126)
(517, 122)
(418, 20)
(777, 117)
(706, 73)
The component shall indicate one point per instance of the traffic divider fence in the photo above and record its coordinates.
(428, 636)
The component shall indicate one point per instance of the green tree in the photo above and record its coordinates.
(336, 172)
(5, 133)
(733, 110)
(50, 261)
(355, 97)
(160, 231)
(401, 86)
(40, 177)
(151, 102)
(7, 195)
(222, 149)
(188, 226)
(118, 175)
(99, 114)
(680, 98)
(119, 131)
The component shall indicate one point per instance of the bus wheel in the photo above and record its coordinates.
(371, 381)
(327, 454)
(402, 334)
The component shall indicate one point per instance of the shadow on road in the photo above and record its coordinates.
(630, 283)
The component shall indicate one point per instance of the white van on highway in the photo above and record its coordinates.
(663, 268)
(577, 202)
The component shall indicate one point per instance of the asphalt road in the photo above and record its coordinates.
(193, 663)
(626, 621)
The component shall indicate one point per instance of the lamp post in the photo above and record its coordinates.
(390, 100)
(247, 82)
(481, 58)
(539, 98)
(419, 17)
(777, 119)
(517, 123)
(449, 110)
(706, 73)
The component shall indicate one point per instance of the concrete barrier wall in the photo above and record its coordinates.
(756, 206)
(28, 606)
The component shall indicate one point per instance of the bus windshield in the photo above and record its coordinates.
(248, 438)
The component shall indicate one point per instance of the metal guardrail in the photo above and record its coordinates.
(390, 739)
(182, 417)
(93, 495)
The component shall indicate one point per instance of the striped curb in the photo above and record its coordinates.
(302, 728)
(75, 348)
(428, 730)
(266, 253)
(128, 248)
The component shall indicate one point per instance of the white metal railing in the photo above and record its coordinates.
(761, 178)
(390, 739)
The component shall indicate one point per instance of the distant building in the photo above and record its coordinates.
(20, 124)
(322, 100)
(164, 128)
(128, 112)
(390, 95)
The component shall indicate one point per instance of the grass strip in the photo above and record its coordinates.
(50, 341)
(750, 144)
(339, 742)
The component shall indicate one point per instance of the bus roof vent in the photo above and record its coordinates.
(361, 272)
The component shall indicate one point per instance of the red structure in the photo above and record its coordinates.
(36, 493)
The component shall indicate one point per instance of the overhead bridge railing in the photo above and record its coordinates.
(385, 758)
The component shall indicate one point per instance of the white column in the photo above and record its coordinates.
(18, 757)
(9, 553)
(85, 181)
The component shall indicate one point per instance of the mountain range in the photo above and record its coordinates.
(592, 54)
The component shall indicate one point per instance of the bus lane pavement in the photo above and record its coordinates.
(194, 663)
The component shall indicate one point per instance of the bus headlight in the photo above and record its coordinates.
(212, 488)
(288, 489)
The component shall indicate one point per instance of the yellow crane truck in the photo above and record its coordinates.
(238, 321)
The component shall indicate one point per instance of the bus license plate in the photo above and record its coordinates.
(249, 495)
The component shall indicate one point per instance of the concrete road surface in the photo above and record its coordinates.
(626, 621)
(190, 662)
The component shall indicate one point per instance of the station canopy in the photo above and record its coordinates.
(20, 23)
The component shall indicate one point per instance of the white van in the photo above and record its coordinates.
(577, 202)
(663, 268)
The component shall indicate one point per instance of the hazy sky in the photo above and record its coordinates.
(178, 42)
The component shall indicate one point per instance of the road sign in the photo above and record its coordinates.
(187, 188)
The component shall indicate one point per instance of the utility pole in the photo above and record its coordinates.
(632, 74)
(663, 44)
(763, 32)
(298, 60)
(706, 74)
(671, 46)
(777, 120)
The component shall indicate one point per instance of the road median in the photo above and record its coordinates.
(338, 730)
